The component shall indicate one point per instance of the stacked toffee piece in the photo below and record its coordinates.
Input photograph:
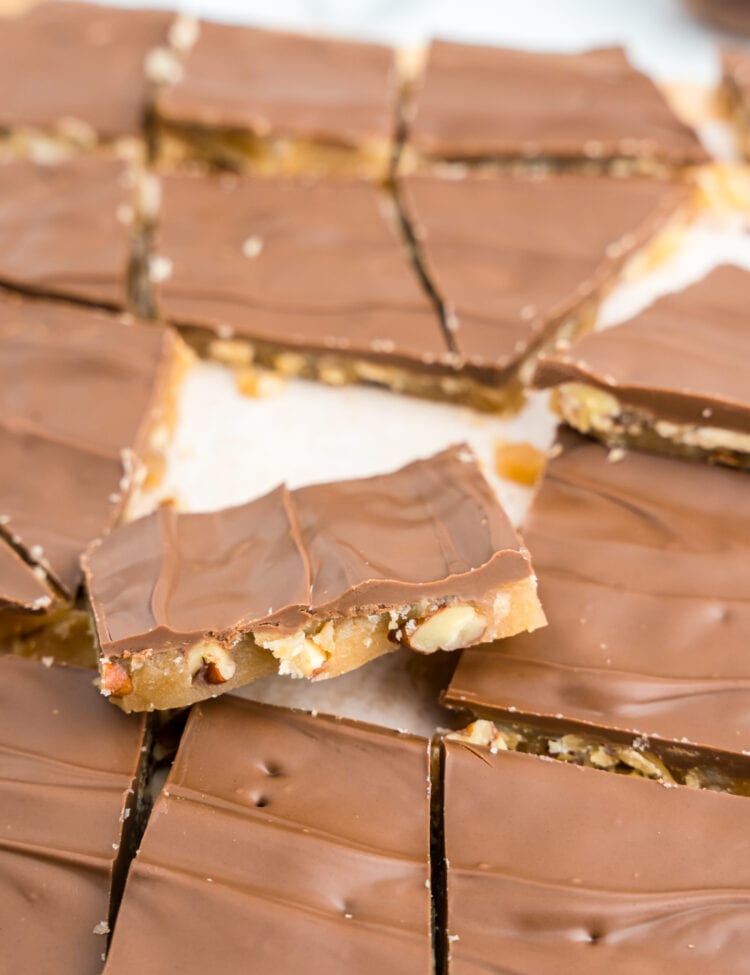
(445, 226)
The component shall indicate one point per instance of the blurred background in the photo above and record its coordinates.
(661, 36)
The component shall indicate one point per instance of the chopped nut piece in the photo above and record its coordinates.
(115, 680)
(232, 352)
(450, 628)
(298, 655)
(219, 666)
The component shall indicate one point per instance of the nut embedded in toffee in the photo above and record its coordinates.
(283, 843)
(674, 379)
(310, 583)
(642, 565)
(279, 104)
(591, 111)
(69, 771)
(590, 872)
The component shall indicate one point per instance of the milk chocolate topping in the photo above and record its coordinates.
(20, 587)
(61, 231)
(430, 529)
(683, 359)
(325, 271)
(513, 256)
(77, 391)
(590, 872)
(282, 843)
(278, 84)
(643, 574)
(67, 764)
(476, 102)
(78, 61)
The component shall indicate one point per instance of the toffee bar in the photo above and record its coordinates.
(642, 566)
(519, 262)
(251, 288)
(308, 278)
(672, 380)
(73, 78)
(70, 769)
(310, 583)
(87, 403)
(554, 868)
(282, 843)
(524, 110)
(278, 103)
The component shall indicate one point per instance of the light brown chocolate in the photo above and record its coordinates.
(310, 266)
(519, 260)
(590, 872)
(81, 397)
(76, 70)
(306, 848)
(369, 554)
(593, 109)
(683, 360)
(268, 89)
(66, 230)
(69, 767)
(642, 566)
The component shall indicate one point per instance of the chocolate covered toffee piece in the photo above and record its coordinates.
(35, 621)
(735, 89)
(86, 407)
(73, 77)
(520, 261)
(69, 772)
(279, 103)
(25, 596)
(308, 278)
(590, 873)
(68, 230)
(283, 843)
(643, 571)
(310, 583)
(591, 111)
(673, 379)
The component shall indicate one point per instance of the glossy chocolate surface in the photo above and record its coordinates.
(276, 84)
(309, 264)
(477, 102)
(643, 575)
(511, 257)
(20, 587)
(430, 529)
(683, 359)
(68, 63)
(61, 232)
(77, 391)
(68, 763)
(590, 872)
(283, 843)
